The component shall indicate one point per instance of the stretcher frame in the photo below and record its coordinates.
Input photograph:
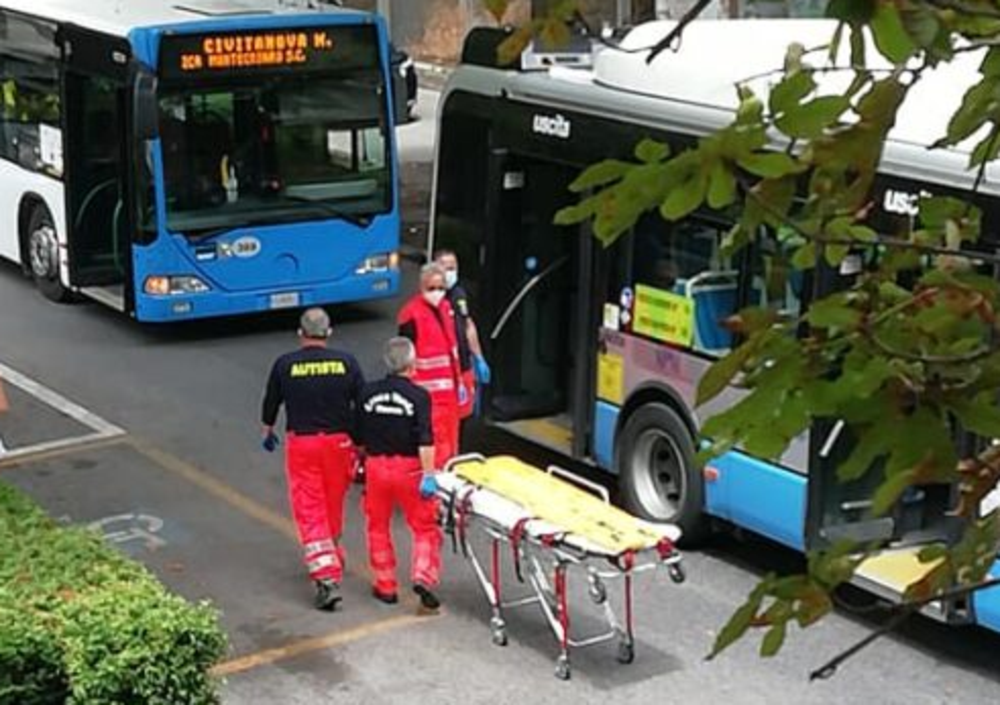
(546, 553)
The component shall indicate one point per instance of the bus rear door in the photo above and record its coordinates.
(538, 318)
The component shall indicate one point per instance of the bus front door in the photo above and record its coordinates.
(96, 171)
(534, 324)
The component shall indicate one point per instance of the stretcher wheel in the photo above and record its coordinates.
(677, 573)
(626, 652)
(598, 592)
(498, 631)
(563, 672)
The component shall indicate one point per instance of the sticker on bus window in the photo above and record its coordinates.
(663, 315)
(612, 315)
(611, 379)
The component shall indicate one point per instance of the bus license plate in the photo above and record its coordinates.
(288, 299)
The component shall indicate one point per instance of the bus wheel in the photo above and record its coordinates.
(659, 479)
(43, 255)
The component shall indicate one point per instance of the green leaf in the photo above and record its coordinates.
(833, 312)
(986, 150)
(790, 92)
(810, 120)
(805, 257)
(721, 373)
(890, 35)
(685, 197)
(991, 63)
(871, 446)
(600, 174)
(650, 151)
(921, 24)
(553, 34)
(577, 213)
(512, 47)
(853, 12)
(772, 165)
(889, 492)
(972, 114)
(497, 9)
(737, 625)
(722, 186)
(980, 414)
(773, 640)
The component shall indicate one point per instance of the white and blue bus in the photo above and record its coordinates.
(180, 160)
(597, 352)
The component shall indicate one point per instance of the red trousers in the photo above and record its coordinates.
(444, 423)
(319, 472)
(392, 480)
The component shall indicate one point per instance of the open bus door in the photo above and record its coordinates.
(97, 159)
(538, 317)
(840, 511)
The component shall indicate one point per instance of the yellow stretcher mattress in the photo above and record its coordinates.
(560, 503)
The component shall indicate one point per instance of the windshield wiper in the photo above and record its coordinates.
(361, 221)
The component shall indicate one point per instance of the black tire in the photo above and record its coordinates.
(658, 478)
(43, 255)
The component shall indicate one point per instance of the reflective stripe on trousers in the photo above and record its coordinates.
(319, 475)
(391, 481)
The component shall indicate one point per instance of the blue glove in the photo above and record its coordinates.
(428, 486)
(482, 369)
(270, 442)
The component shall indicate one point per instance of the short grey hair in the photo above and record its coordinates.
(431, 269)
(315, 323)
(399, 354)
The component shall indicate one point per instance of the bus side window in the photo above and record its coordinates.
(776, 284)
(684, 258)
(29, 100)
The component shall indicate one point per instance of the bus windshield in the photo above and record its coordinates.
(276, 149)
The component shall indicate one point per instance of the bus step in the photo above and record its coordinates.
(889, 574)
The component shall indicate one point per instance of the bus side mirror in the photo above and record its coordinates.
(145, 111)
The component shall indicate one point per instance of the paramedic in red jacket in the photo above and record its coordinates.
(429, 322)
(319, 389)
(394, 431)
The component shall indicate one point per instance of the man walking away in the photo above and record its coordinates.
(475, 370)
(319, 388)
(395, 433)
(428, 321)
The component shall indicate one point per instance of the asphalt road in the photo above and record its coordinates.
(188, 491)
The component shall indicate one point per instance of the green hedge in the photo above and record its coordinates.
(82, 624)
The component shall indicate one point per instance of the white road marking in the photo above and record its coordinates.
(102, 429)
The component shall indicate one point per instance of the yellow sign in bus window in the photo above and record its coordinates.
(663, 315)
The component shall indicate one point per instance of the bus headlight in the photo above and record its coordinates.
(168, 286)
(379, 263)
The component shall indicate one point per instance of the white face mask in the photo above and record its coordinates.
(434, 297)
(450, 278)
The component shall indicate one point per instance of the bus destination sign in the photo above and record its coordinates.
(225, 52)
(299, 49)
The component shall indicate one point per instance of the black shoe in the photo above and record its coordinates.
(327, 595)
(389, 598)
(428, 600)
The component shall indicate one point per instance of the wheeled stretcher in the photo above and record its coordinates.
(552, 523)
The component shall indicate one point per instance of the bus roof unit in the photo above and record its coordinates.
(692, 89)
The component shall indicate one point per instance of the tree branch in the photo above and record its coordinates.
(828, 669)
(675, 34)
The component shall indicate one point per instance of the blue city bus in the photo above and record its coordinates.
(206, 158)
(597, 352)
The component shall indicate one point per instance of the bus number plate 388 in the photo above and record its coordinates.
(288, 299)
